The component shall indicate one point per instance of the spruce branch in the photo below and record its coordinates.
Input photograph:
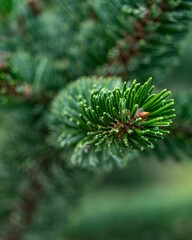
(23, 92)
(104, 120)
(180, 137)
(156, 28)
(10, 87)
(7, 89)
(97, 121)
(123, 56)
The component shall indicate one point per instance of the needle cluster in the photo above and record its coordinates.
(103, 119)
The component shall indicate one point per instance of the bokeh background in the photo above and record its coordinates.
(150, 199)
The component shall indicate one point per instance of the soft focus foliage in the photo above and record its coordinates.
(103, 119)
(64, 105)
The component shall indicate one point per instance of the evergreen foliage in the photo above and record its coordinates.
(52, 125)
(103, 119)
(181, 138)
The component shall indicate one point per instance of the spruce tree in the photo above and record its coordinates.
(70, 106)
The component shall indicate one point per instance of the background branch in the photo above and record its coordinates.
(23, 211)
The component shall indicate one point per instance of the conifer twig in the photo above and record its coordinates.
(124, 56)
(7, 89)
(27, 94)
(24, 91)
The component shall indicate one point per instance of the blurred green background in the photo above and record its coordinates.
(155, 203)
(147, 200)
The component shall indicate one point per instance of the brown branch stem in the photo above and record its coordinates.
(21, 215)
(27, 94)
(124, 56)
